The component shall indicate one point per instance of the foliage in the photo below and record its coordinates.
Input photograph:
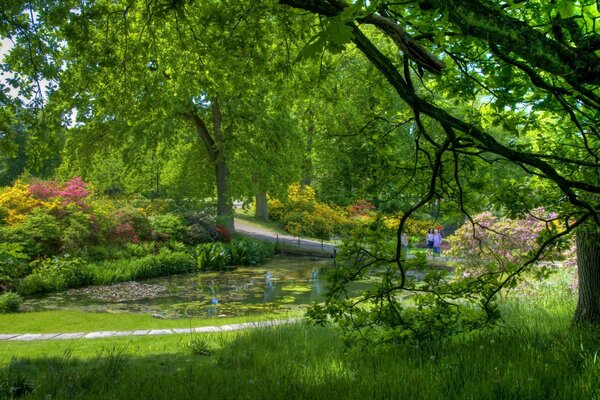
(13, 264)
(165, 263)
(172, 226)
(131, 225)
(249, 251)
(18, 201)
(72, 191)
(303, 215)
(489, 243)
(14, 381)
(213, 257)
(39, 233)
(55, 274)
(77, 231)
(10, 302)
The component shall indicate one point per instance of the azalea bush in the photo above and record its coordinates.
(492, 243)
(302, 215)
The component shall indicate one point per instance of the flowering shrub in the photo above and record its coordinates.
(73, 191)
(494, 243)
(18, 202)
(302, 215)
(131, 226)
(362, 208)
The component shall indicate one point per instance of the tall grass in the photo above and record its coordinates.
(302, 362)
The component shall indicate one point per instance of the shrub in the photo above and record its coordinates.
(250, 252)
(301, 215)
(197, 234)
(10, 302)
(55, 274)
(496, 243)
(13, 264)
(276, 210)
(171, 225)
(77, 232)
(176, 262)
(39, 233)
(131, 225)
(213, 257)
(19, 202)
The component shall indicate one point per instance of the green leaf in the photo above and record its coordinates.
(565, 8)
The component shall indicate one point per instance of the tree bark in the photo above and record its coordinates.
(262, 207)
(588, 269)
(224, 203)
(214, 147)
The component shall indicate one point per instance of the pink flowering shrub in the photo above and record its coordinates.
(493, 243)
(73, 191)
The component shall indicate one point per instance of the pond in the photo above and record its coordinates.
(279, 286)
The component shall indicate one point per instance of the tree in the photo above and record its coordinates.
(529, 70)
(137, 76)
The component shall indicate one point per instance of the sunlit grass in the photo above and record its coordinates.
(71, 321)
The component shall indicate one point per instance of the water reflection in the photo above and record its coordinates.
(280, 285)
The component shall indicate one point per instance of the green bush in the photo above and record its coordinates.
(302, 215)
(213, 257)
(170, 225)
(250, 252)
(10, 302)
(39, 233)
(13, 264)
(55, 274)
(141, 249)
(197, 234)
(76, 234)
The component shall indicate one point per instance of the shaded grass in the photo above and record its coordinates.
(303, 362)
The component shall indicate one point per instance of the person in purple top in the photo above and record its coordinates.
(437, 243)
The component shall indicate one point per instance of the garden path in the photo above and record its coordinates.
(142, 332)
(257, 232)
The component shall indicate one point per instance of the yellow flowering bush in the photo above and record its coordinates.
(19, 202)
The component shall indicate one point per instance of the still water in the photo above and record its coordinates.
(281, 285)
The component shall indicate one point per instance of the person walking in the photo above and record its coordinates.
(429, 239)
(404, 242)
(437, 243)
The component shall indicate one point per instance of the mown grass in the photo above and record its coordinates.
(248, 217)
(69, 321)
(537, 354)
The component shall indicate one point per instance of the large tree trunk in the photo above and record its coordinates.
(588, 269)
(214, 146)
(262, 207)
(224, 203)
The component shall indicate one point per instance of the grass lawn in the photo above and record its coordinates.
(535, 355)
(248, 218)
(79, 321)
